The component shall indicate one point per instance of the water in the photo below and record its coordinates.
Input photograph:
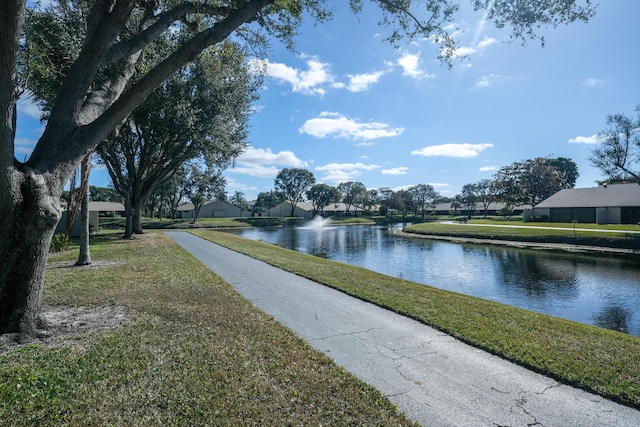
(596, 290)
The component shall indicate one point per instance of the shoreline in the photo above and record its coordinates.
(560, 247)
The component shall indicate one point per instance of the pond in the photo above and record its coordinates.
(597, 290)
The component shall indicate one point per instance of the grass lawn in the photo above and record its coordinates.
(196, 353)
(165, 223)
(595, 359)
(617, 236)
(107, 223)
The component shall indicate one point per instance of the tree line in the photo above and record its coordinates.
(524, 183)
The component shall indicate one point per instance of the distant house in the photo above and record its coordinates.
(305, 210)
(107, 208)
(283, 209)
(338, 209)
(212, 209)
(606, 204)
(495, 208)
(96, 209)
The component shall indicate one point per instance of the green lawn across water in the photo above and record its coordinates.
(607, 236)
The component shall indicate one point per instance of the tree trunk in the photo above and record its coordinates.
(30, 213)
(72, 209)
(136, 221)
(84, 258)
(128, 229)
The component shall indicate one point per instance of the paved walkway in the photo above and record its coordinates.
(433, 378)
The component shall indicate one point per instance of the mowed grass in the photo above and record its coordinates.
(598, 360)
(617, 236)
(196, 354)
(166, 223)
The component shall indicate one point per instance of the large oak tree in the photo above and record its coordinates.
(100, 88)
(424, 196)
(200, 113)
(528, 182)
(293, 183)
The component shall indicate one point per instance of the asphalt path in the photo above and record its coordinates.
(433, 378)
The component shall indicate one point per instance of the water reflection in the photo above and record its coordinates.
(600, 291)
(544, 282)
(613, 317)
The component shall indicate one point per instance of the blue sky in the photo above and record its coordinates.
(349, 107)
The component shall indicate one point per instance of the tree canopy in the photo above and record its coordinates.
(618, 155)
(293, 183)
(322, 195)
(200, 113)
(528, 182)
(352, 193)
(424, 196)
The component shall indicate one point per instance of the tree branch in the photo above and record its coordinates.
(93, 133)
(109, 23)
(160, 24)
(12, 13)
(73, 140)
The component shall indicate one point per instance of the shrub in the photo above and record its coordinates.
(59, 242)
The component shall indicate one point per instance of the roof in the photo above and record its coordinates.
(331, 207)
(189, 206)
(614, 195)
(106, 207)
(493, 206)
(99, 206)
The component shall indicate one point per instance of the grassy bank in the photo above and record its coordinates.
(108, 223)
(195, 353)
(165, 223)
(595, 359)
(618, 236)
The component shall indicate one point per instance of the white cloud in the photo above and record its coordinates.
(261, 156)
(438, 184)
(489, 168)
(258, 171)
(487, 41)
(469, 50)
(361, 82)
(28, 107)
(410, 65)
(593, 139)
(487, 80)
(591, 82)
(395, 171)
(401, 187)
(263, 163)
(335, 125)
(24, 145)
(234, 185)
(452, 150)
(365, 144)
(343, 172)
(464, 51)
(309, 82)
